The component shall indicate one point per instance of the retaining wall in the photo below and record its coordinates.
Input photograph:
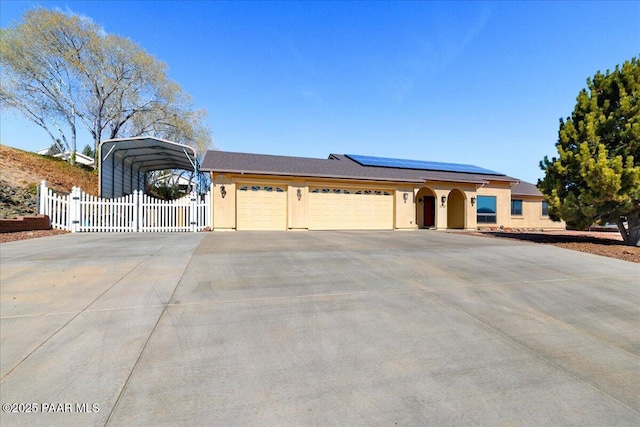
(25, 223)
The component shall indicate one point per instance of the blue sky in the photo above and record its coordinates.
(483, 83)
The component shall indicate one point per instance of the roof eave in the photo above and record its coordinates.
(309, 175)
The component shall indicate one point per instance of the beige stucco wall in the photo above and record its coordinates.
(452, 211)
(471, 214)
(456, 215)
(437, 189)
(405, 211)
(407, 215)
(418, 208)
(532, 215)
(502, 192)
(297, 208)
(224, 208)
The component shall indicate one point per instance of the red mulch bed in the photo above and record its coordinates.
(23, 235)
(607, 244)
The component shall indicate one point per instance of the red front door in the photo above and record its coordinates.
(429, 211)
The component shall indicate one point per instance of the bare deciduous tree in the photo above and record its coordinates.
(58, 69)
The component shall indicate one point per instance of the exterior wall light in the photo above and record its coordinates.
(473, 201)
(223, 191)
(419, 200)
(443, 200)
(299, 194)
(405, 196)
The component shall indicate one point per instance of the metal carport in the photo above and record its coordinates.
(124, 162)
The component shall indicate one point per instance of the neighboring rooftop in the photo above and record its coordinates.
(343, 166)
(66, 156)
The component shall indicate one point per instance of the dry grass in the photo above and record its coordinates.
(24, 169)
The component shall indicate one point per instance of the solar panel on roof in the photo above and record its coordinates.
(387, 162)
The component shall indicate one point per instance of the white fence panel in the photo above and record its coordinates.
(164, 215)
(203, 212)
(56, 207)
(135, 212)
(115, 215)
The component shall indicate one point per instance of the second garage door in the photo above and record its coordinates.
(350, 209)
(261, 207)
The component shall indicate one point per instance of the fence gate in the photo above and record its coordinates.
(135, 212)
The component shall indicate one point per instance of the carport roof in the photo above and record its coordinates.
(123, 162)
(336, 166)
(150, 153)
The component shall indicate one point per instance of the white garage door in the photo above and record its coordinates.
(350, 209)
(261, 207)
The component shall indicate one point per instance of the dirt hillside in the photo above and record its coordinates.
(21, 168)
(21, 172)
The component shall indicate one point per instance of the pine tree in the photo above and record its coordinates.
(596, 177)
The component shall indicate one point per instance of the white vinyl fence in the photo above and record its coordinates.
(135, 212)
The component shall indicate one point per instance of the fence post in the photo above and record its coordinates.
(193, 212)
(74, 209)
(211, 212)
(137, 208)
(42, 203)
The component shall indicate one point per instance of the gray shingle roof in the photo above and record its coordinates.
(524, 188)
(336, 166)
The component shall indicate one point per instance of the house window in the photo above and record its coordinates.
(243, 188)
(516, 207)
(486, 209)
(545, 209)
(255, 188)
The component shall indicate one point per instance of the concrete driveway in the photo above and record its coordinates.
(316, 328)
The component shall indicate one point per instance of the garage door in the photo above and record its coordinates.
(350, 209)
(261, 207)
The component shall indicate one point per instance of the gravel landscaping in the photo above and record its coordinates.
(607, 244)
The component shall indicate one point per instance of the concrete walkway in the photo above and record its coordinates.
(322, 328)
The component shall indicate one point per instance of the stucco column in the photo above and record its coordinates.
(471, 220)
(405, 210)
(441, 211)
(298, 202)
(224, 202)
